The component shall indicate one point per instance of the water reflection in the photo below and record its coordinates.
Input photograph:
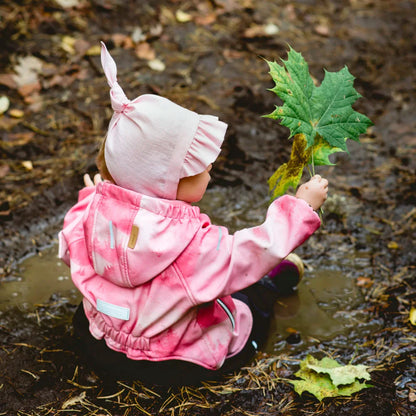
(323, 307)
(39, 276)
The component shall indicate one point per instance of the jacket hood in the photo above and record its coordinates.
(131, 238)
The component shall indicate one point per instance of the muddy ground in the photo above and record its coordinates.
(207, 55)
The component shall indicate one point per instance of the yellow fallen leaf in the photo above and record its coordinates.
(68, 44)
(182, 17)
(94, 50)
(27, 164)
(412, 316)
(393, 245)
(16, 113)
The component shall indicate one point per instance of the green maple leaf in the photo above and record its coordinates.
(320, 152)
(323, 114)
(327, 378)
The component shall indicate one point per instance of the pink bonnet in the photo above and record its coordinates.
(152, 142)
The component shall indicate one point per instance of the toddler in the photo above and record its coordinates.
(169, 297)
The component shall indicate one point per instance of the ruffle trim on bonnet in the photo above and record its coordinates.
(205, 146)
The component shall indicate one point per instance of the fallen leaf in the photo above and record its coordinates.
(29, 89)
(4, 170)
(27, 164)
(412, 316)
(157, 65)
(4, 104)
(74, 400)
(68, 4)
(261, 30)
(27, 70)
(18, 139)
(16, 113)
(93, 51)
(327, 378)
(322, 30)
(232, 54)
(8, 81)
(7, 123)
(119, 39)
(166, 16)
(182, 17)
(145, 51)
(156, 30)
(341, 374)
(81, 46)
(206, 19)
(138, 35)
(393, 245)
(365, 282)
(68, 44)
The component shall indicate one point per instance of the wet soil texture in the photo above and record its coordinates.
(208, 56)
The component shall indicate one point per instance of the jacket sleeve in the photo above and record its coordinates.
(71, 220)
(228, 263)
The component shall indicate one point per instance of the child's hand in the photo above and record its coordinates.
(88, 181)
(314, 192)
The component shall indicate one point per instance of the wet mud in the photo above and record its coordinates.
(360, 276)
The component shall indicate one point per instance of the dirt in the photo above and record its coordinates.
(209, 58)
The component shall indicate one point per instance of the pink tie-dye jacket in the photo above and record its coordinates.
(156, 275)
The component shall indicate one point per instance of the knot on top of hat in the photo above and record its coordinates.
(119, 101)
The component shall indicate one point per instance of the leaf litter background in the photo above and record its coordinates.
(207, 55)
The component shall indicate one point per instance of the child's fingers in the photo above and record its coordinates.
(87, 180)
(97, 179)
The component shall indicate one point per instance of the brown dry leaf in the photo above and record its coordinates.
(145, 51)
(206, 19)
(365, 282)
(81, 46)
(4, 170)
(29, 89)
(7, 123)
(232, 54)
(18, 139)
(261, 30)
(122, 40)
(8, 81)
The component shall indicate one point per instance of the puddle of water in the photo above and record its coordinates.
(39, 276)
(322, 308)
